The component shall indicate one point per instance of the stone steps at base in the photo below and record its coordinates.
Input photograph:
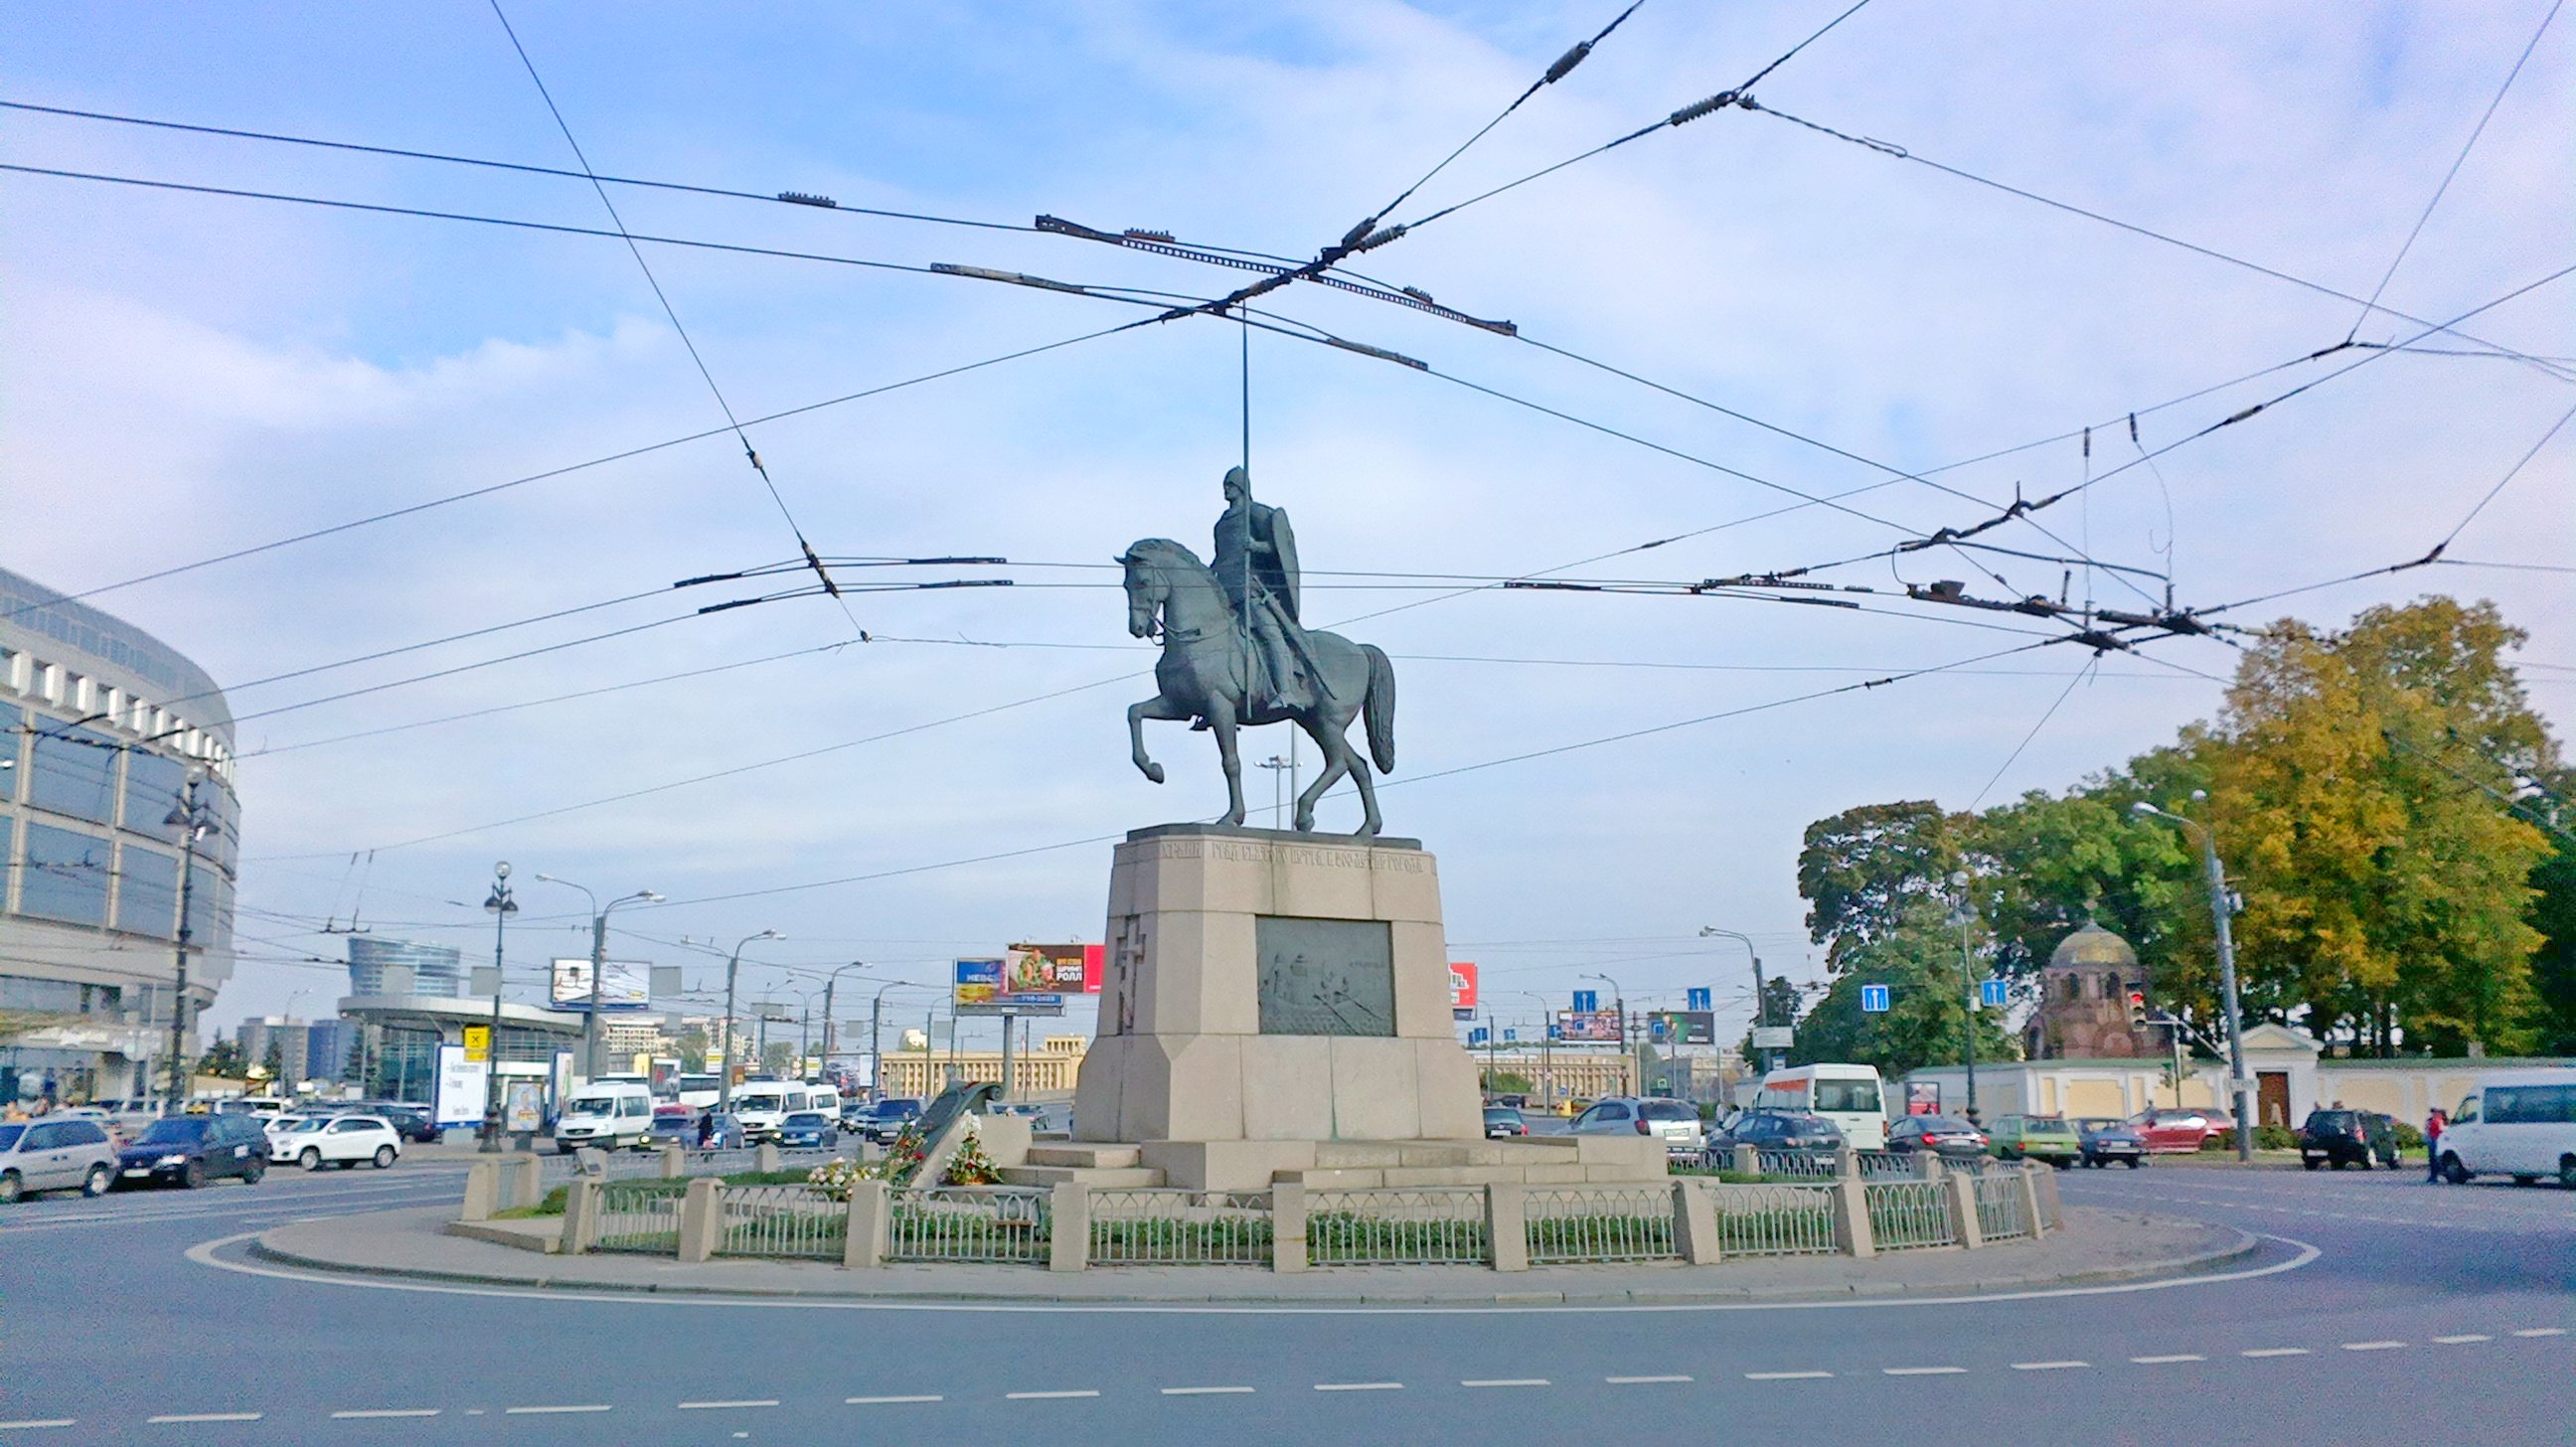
(1097, 1177)
(1095, 1157)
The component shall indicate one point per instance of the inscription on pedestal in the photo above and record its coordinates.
(1325, 976)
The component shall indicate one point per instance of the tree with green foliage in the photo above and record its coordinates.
(272, 1065)
(2552, 805)
(224, 1059)
(693, 1045)
(1780, 1006)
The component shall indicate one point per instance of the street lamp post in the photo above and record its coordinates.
(590, 1032)
(189, 817)
(876, 1033)
(1546, 1055)
(832, 982)
(1963, 916)
(2238, 1086)
(501, 906)
(733, 966)
(1619, 1007)
(1708, 930)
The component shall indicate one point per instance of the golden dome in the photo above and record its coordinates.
(2092, 945)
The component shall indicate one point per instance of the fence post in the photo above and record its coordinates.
(1507, 1225)
(1960, 1190)
(1846, 1163)
(590, 1161)
(523, 1182)
(766, 1159)
(701, 1219)
(673, 1166)
(482, 1191)
(2041, 1221)
(1852, 1233)
(581, 1215)
(1068, 1226)
(1288, 1226)
(1695, 1223)
(1748, 1159)
(871, 1230)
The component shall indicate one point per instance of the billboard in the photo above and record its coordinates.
(1682, 1027)
(623, 985)
(1578, 1025)
(978, 982)
(462, 1085)
(1051, 970)
(1462, 988)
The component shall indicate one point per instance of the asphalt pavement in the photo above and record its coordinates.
(2379, 1309)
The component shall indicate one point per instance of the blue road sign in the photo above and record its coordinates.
(1510, 1035)
(1586, 1001)
(1698, 998)
(1873, 999)
(1990, 992)
(1555, 1031)
(1476, 1036)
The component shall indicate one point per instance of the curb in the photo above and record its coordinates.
(2199, 1263)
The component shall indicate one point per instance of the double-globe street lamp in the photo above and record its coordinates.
(501, 906)
(2239, 1088)
(590, 1031)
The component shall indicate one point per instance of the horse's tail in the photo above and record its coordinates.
(1379, 706)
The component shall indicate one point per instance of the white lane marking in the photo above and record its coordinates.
(1359, 1386)
(1044, 1396)
(1641, 1381)
(2452, 1341)
(2542, 1331)
(2048, 1366)
(2275, 1352)
(374, 1412)
(2175, 1357)
(1925, 1371)
(1206, 1391)
(202, 1254)
(2372, 1346)
(553, 1411)
(37, 1422)
(888, 1401)
(1786, 1376)
(204, 1417)
(722, 1406)
(1509, 1382)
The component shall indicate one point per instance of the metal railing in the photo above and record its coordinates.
(1773, 1220)
(1599, 1223)
(795, 1221)
(1906, 1214)
(1890, 1165)
(1429, 1226)
(2003, 1212)
(639, 1216)
(1179, 1228)
(1800, 1165)
(971, 1223)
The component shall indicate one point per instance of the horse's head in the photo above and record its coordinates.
(1145, 589)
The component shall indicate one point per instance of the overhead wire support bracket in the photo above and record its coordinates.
(1014, 278)
(1161, 243)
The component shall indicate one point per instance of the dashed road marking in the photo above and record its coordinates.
(2048, 1366)
(1359, 1386)
(1786, 1376)
(34, 1422)
(889, 1401)
(1508, 1382)
(2452, 1341)
(1642, 1381)
(1207, 1391)
(721, 1406)
(180, 1417)
(2274, 1352)
(553, 1411)
(1924, 1371)
(2372, 1346)
(371, 1413)
(2542, 1331)
(2171, 1357)
(1046, 1396)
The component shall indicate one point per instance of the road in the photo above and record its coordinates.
(2379, 1309)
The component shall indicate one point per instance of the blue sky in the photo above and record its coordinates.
(189, 374)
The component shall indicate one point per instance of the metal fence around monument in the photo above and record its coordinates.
(789, 1221)
(1599, 1223)
(1907, 1214)
(1383, 1226)
(1773, 1219)
(1159, 1227)
(2003, 1211)
(639, 1216)
(971, 1223)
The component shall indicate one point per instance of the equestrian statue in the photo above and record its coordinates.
(1235, 654)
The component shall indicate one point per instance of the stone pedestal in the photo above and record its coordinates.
(1186, 1067)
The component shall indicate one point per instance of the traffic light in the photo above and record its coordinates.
(2137, 1009)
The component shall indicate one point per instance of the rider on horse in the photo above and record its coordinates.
(1256, 564)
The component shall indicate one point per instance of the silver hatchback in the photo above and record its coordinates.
(71, 1154)
(1676, 1121)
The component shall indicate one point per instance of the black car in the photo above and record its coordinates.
(1780, 1130)
(889, 1118)
(2111, 1142)
(1944, 1135)
(2347, 1138)
(194, 1149)
(410, 1125)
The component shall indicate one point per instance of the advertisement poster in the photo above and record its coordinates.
(462, 1084)
(979, 982)
(623, 985)
(1462, 988)
(1057, 970)
(523, 1106)
(1922, 1097)
(1582, 1025)
(1683, 1027)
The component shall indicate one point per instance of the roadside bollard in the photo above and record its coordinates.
(1507, 1224)
(1069, 1226)
(581, 1216)
(1852, 1233)
(1695, 1224)
(1748, 1159)
(870, 1236)
(673, 1166)
(766, 1160)
(701, 1219)
(1288, 1226)
(482, 1191)
(523, 1182)
(1959, 1193)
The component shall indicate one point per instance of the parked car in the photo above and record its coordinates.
(2110, 1142)
(55, 1155)
(2517, 1123)
(1673, 1120)
(194, 1149)
(1781, 1130)
(809, 1130)
(2168, 1130)
(414, 1129)
(2037, 1138)
(2341, 1138)
(889, 1117)
(339, 1140)
(1503, 1121)
(1945, 1135)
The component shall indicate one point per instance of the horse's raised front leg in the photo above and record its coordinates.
(1157, 707)
(1220, 718)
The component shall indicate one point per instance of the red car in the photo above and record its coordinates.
(2167, 1130)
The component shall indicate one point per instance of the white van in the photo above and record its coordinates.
(1848, 1095)
(610, 1114)
(761, 1104)
(823, 1096)
(700, 1091)
(2518, 1123)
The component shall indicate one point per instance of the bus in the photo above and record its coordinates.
(700, 1090)
(1848, 1095)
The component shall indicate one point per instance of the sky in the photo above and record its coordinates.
(1600, 774)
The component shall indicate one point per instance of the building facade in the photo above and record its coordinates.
(402, 967)
(2083, 1009)
(106, 735)
(1047, 1071)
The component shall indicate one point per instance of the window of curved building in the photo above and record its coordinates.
(147, 893)
(64, 877)
(13, 719)
(153, 787)
(73, 771)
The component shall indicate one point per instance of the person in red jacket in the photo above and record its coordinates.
(2433, 1147)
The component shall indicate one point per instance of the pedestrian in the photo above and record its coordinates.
(2433, 1124)
(706, 1128)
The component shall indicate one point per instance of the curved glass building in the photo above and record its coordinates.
(379, 966)
(104, 730)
